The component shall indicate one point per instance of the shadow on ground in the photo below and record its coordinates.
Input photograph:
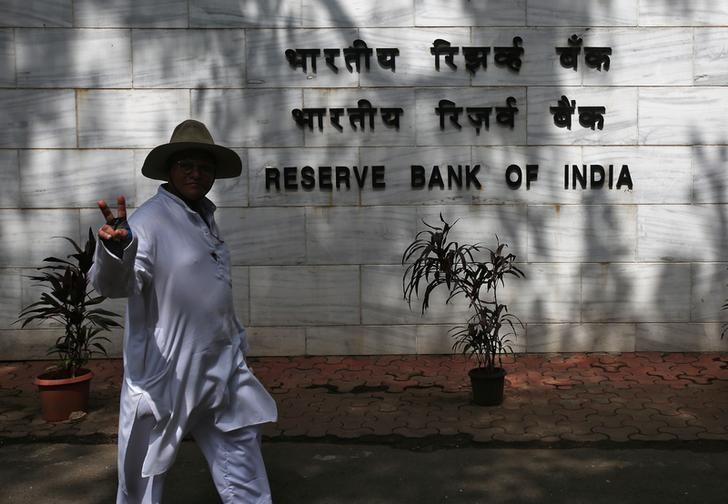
(336, 473)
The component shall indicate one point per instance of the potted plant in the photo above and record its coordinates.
(474, 272)
(68, 300)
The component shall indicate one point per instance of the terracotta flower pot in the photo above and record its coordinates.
(487, 386)
(60, 395)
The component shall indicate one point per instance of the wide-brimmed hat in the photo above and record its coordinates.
(191, 134)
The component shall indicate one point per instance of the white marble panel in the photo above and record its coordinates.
(635, 292)
(59, 57)
(304, 295)
(582, 233)
(229, 192)
(263, 235)
(682, 115)
(680, 338)
(581, 337)
(710, 178)
(540, 62)
(130, 13)
(263, 159)
(41, 13)
(415, 66)
(660, 174)
(682, 233)
(358, 235)
(26, 344)
(114, 348)
(620, 117)
(430, 133)
(7, 58)
(189, 58)
(693, 13)
(481, 224)
(75, 178)
(32, 290)
(10, 297)
(43, 119)
(398, 162)
(349, 98)
(383, 300)
(672, 184)
(583, 12)
(32, 344)
(436, 339)
(318, 13)
(249, 117)
(9, 179)
(361, 340)
(548, 293)
(641, 57)
(709, 293)
(92, 219)
(549, 184)
(241, 293)
(268, 67)
(232, 192)
(27, 235)
(480, 13)
(146, 187)
(238, 13)
(111, 118)
(274, 341)
(709, 52)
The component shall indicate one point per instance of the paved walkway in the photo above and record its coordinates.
(420, 401)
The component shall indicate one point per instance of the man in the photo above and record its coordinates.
(184, 348)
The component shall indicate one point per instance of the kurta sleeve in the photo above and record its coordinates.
(116, 277)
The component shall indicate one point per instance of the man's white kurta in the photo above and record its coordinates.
(183, 345)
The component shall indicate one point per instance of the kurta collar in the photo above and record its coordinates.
(207, 206)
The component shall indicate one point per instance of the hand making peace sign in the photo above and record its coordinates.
(111, 230)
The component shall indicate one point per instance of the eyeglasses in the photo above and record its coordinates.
(187, 166)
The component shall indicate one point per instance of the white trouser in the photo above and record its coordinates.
(234, 459)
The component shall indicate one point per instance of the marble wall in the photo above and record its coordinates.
(88, 87)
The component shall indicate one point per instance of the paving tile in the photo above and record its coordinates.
(606, 421)
(545, 429)
(575, 416)
(518, 437)
(712, 436)
(445, 431)
(619, 434)
(715, 426)
(297, 429)
(684, 433)
(612, 398)
(584, 437)
(646, 427)
(662, 436)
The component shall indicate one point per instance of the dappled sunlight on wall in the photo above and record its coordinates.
(88, 88)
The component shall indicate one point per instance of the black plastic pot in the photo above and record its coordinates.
(487, 386)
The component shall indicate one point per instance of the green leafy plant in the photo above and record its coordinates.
(437, 261)
(68, 300)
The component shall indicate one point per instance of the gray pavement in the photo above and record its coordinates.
(308, 472)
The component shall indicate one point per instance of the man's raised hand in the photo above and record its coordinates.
(112, 230)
